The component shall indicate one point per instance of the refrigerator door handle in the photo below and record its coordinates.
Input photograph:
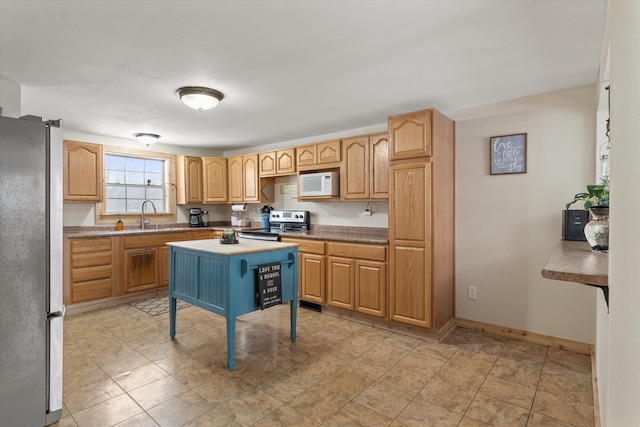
(57, 313)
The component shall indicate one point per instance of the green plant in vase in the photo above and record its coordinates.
(596, 200)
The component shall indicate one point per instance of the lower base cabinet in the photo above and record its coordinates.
(357, 277)
(89, 269)
(311, 269)
(341, 282)
(371, 288)
(146, 259)
(141, 269)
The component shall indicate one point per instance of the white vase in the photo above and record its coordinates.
(597, 230)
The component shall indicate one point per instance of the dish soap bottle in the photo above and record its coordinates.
(119, 224)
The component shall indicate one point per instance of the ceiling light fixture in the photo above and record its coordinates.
(199, 98)
(147, 138)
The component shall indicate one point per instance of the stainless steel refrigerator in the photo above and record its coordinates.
(31, 310)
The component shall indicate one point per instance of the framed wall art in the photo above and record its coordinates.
(508, 154)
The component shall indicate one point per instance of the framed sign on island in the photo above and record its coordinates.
(223, 279)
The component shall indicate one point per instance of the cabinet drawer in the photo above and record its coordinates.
(90, 273)
(90, 245)
(88, 291)
(356, 250)
(308, 246)
(156, 239)
(91, 259)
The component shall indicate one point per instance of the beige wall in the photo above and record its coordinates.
(508, 225)
(623, 391)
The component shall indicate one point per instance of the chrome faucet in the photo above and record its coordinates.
(142, 222)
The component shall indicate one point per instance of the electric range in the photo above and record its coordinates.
(280, 222)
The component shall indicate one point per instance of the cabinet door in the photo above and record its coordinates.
(214, 179)
(236, 179)
(82, 172)
(371, 287)
(306, 155)
(163, 256)
(354, 177)
(379, 166)
(340, 282)
(286, 161)
(410, 203)
(410, 296)
(312, 277)
(410, 135)
(410, 287)
(251, 178)
(267, 163)
(193, 179)
(140, 269)
(329, 152)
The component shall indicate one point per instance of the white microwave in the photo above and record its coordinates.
(319, 184)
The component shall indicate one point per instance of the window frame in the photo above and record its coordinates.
(103, 217)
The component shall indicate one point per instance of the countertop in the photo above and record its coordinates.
(376, 236)
(244, 246)
(573, 261)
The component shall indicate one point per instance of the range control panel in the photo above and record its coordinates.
(301, 217)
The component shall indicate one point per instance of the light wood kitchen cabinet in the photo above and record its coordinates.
(189, 179)
(88, 270)
(320, 155)
(83, 171)
(236, 179)
(311, 269)
(141, 269)
(203, 234)
(307, 155)
(340, 282)
(379, 166)
(421, 220)
(411, 135)
(365, 171)
(250, 178)
(281, 162)
(371, 287)
(145, 259)
(214, 179)
(357, 277)
(245, 184)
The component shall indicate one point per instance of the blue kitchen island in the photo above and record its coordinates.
(223, 279)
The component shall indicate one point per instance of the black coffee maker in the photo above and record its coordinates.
(195, 217)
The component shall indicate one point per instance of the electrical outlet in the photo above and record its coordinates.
(473, 292)
(367, 212)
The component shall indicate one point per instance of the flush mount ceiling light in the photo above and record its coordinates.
(147, 138)
(199, 98)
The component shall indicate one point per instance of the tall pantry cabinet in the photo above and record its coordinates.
(421, 219)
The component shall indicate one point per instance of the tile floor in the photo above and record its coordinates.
(122, 369)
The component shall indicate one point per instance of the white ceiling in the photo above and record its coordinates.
(289, 69)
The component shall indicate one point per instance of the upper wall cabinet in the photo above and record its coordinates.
(189, 179)
(410, 135)
(83, 174)
(281, 162)
(245, 185)
(365, 168)
(214, 179)
(322, 154)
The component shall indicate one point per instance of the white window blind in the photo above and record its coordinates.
(132, 180)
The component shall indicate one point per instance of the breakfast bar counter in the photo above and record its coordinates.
(224, 279)
(573, 261)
